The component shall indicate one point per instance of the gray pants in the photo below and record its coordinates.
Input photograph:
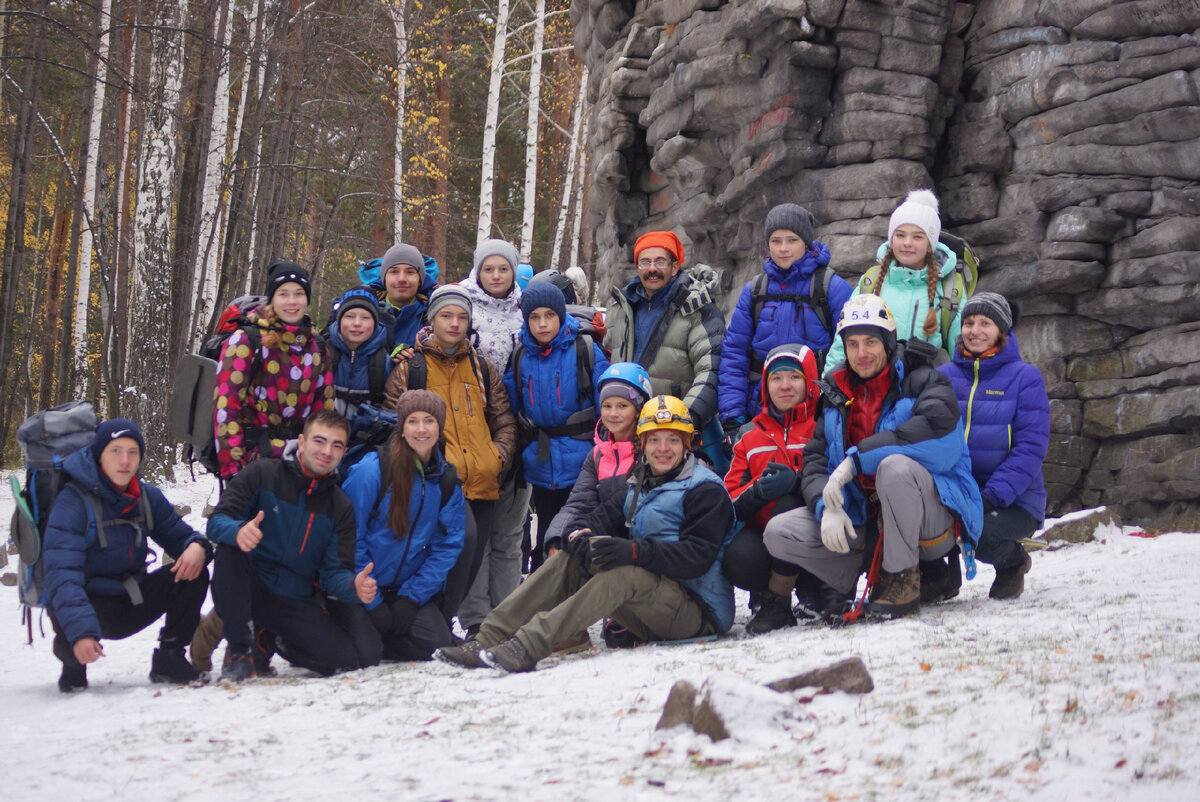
(913, 517)
(558, 600)
(500, 571)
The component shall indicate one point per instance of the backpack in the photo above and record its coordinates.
(818, 301)
(377, 370)
(46, 439)
(962, 282)
(418, 371)
(581, 424)
(190, 414)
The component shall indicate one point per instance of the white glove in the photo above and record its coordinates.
(836, 530)
(837, 480)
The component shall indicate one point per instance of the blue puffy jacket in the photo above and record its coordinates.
(1007, 417)
(779, 322)
(919, 419)
(351, 370)
(415, 567)
(308, 527)
(409, 318)
(75, 566)
(546, 394)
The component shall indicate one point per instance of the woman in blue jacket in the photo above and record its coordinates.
(359, 351)
(1006, 415)
(411, 526)
(555, 405)
(787, 312)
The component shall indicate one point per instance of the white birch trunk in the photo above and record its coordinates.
(487, 177)
(580, 191)
(208, 251)
(564, 207)
(531, 130)
(398, 11)
(83, 289)
(252, 193)
(150, 292)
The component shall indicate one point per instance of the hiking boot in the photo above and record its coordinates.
(205, 640)
(73, 679)
(618, 637)
(575, 643)
(465, 655)
(238, 666)
(833, 603)
(940, 579)
(902, 596)
(261, 652)
(775, 613)
(509, 656)
(1010, 583)
(169, 665)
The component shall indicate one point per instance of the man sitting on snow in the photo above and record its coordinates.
(649, 559)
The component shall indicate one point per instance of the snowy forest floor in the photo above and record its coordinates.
(1087, 687)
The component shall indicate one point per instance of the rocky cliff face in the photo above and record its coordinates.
(1062, 136)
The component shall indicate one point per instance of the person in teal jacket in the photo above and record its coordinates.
(409, 528)
(915, 273)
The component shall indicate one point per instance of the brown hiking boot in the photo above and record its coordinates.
(205, 640)
(1010, 583)
(901, 597)
(465, 655)
(510, 656)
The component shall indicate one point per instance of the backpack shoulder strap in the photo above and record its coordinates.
(585, 361)
(758, 292)
(953, 297)
(867, 282)
(418, 372)
(95, 513)
(448, 481)
(333, 356)
(376, 372)
(819, 296)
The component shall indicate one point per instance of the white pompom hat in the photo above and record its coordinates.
(920, 209)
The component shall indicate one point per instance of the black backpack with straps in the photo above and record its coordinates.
(581, 424)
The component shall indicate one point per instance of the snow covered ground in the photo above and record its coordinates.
(1087, 687)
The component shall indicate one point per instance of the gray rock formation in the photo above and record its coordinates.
(1062, 136)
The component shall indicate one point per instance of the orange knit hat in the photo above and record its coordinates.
(659, 239)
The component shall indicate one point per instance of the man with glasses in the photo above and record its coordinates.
(666, 319)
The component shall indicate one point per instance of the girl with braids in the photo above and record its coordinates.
(915, 271)
(412, 534)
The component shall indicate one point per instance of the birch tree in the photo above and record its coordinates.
(151, 314)
(580, 193)
(531, 130)
(564, 207)
(401, 80)
(83, 288)
(204, 291)
(487, 178)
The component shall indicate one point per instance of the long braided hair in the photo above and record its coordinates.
(931, 280)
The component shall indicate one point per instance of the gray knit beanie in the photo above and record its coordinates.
(402, 254)
(790, 217)
(496, 247)
(991, 305)
(448, 295)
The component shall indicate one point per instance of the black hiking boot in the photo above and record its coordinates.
(465, 655)
(73, 679)
(775, 613)
(833, 604)
(940, 579)
(262, 651)
(168, 664)
(901, 597)
(1010, 583)
(618, 637)
(509, 656)
(238, 666)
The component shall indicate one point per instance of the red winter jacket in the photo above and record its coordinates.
(767, 440)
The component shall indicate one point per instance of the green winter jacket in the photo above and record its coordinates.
(684, 352)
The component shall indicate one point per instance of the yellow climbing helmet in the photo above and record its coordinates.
(665, 412)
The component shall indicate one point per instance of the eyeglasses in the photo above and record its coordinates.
(661, 263)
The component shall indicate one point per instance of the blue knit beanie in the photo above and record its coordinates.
(543, 293)
(115, 429)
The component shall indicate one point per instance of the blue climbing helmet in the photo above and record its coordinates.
(524, 273)
(632, 374)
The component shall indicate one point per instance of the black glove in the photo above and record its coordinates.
(731, 426)
(777, 480)
(605, 552)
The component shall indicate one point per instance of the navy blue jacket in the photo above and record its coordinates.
(1006, 416)
(779, 323)
(308, 529)
(350, 376)
(415, 567)
(549, 394)
(74, 565)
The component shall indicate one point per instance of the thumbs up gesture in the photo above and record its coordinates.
(364, 585)
(249, 535)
